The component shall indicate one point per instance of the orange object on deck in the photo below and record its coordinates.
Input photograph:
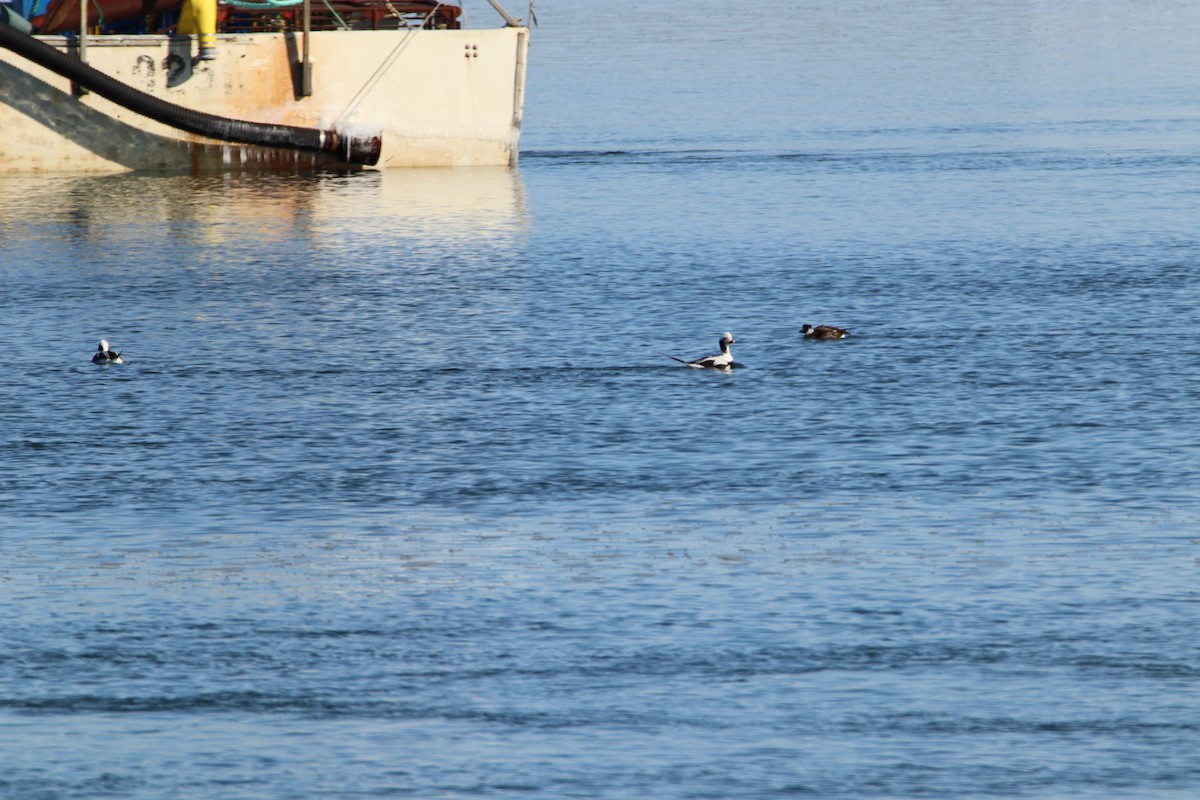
(63, 15)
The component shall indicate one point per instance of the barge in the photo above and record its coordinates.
(118, 85)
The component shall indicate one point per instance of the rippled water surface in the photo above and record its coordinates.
(398, 494)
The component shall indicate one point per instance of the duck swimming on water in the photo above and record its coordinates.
(723, 361)
(823, 332)
(105, 356)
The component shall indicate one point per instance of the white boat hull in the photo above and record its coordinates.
(438, 97)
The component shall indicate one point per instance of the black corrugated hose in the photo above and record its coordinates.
(347, 148)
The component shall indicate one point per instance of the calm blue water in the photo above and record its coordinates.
(398, 494)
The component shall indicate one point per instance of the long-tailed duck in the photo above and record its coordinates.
(723, 361)
(105, 356)
(823, 332)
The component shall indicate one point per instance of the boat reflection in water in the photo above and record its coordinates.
(351, 212)
(268, 271)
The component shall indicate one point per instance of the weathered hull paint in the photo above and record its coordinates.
(439, 98)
